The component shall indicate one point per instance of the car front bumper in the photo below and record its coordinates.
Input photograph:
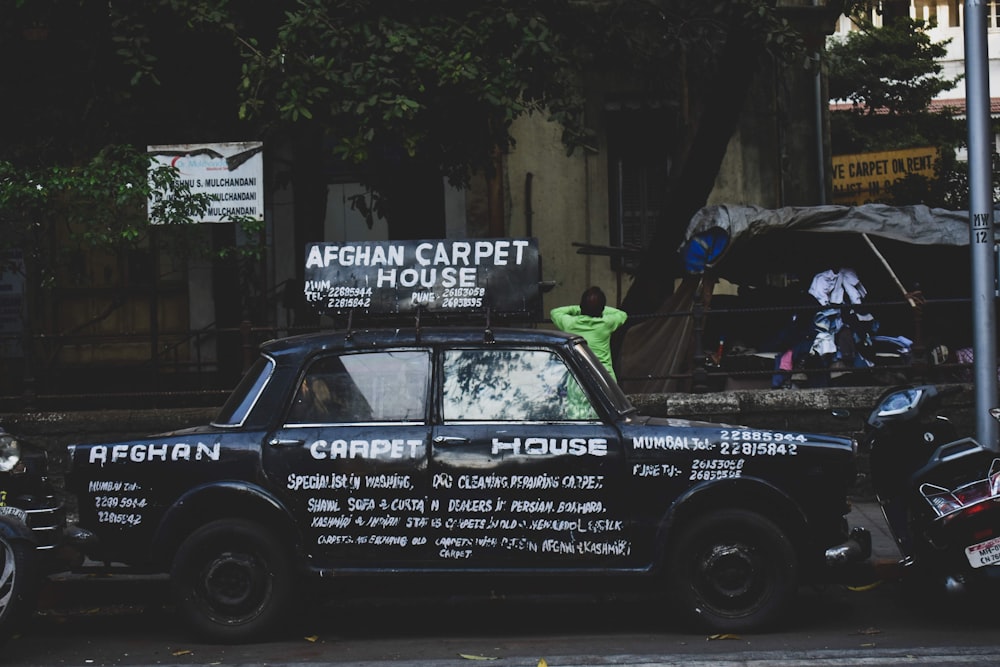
(43, 516)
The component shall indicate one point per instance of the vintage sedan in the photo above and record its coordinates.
(401, 453)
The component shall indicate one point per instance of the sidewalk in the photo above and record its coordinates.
(868, 514)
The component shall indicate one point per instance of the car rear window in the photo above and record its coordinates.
(384, 386)
(239, 403)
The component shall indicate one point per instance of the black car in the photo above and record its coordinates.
(32, 523)
(461, 451)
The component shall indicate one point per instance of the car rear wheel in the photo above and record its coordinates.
(233, 581)
(18, 580)
(732, 571)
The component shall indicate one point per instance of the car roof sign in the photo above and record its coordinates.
(500, 276)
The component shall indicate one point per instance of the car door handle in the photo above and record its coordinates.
(450, 440)
(282, 442)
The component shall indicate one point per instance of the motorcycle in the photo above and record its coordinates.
(939, 493)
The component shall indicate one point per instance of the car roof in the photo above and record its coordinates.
(390, 337)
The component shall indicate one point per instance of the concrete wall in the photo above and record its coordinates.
(569, 203)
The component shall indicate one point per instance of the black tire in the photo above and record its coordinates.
(732, 571)
(233, 582)
(18, 584)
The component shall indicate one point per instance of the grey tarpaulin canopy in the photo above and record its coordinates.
(910, 224)
(741, 242)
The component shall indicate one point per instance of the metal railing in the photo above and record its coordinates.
(198, 368)
(718, 357)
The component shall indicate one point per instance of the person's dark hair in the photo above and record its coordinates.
(592, 302)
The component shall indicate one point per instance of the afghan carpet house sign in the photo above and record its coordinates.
(437, 276)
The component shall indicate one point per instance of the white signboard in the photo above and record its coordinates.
(231, 173)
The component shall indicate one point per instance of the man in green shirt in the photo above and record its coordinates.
(594, 320)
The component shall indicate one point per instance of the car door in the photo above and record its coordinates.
(350, 460)
(524, 473)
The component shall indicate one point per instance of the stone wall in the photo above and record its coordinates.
(793, 409)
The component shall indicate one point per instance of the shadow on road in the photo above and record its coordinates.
(95, 621)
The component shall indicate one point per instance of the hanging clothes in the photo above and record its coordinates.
(837, 287)
(827, 323)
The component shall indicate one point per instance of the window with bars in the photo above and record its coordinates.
(638, 170)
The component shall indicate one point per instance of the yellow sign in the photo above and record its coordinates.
(864, 178)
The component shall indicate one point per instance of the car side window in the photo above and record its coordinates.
(511, 385)
(385, 386)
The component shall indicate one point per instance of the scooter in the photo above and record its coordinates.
(940, 494)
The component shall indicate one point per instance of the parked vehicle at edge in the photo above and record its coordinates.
(32, 520)
(462, 451)
(940, 494)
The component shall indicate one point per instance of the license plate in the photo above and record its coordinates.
(984, 553)
(15, 512)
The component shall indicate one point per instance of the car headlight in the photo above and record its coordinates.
(10, 452)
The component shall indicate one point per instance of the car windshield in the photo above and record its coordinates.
(608, 384)
(238, 405)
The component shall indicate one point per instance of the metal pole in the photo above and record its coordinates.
(821, 161)
(977, 104)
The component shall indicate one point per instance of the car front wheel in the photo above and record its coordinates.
(17, 584)
(233, 581)
(732, 571)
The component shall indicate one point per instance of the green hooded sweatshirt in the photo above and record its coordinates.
(595, 330)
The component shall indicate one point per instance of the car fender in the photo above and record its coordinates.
(750, 493)
(219, 500)
(12, 529)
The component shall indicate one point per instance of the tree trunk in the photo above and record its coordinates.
(495, 197)
(719, 116)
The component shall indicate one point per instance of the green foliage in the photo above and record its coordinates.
(443, 81)
(426, 85)
(890, 75)
(93, 86)
(892, 69)
(861, 133)
(384, 80)
(107, 205)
